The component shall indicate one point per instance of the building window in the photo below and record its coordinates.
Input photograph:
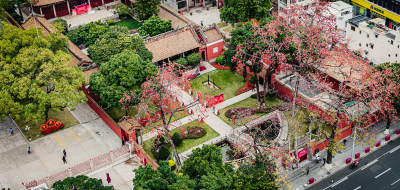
(372, 46)
(215, 50)
(353, 28)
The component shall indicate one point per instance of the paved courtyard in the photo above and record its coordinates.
(91, 138)
(86, 18)
(208, 17)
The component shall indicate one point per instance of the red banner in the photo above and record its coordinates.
(302, 154)
(81, 9)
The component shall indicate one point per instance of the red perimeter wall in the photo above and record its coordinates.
(209, 50)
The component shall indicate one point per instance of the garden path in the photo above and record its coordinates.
(235, 99)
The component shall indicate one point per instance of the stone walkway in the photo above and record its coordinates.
(208, 17)
(298, 177)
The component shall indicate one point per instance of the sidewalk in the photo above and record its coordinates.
(298, 177)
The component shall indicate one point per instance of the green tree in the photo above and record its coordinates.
(244, 10)
(88, 34)
(182, 61)
(80, 182)
(60, 24)
(35, 74)
(145, 9)
(256, 174)
(194, 59)
(122, 10)
(206, 168)
(161, 179)
(140, 48)
(154, 26)
(123, 72)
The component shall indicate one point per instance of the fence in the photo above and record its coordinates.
(84, 167)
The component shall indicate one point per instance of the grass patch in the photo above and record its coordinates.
(248, 103)
(228, 29)
(227, 81)
(130, 23)
(186, 143)
(117, 113)
(222, 24)
(64, 116)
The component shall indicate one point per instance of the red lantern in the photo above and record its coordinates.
(50, 122)
(44, 128)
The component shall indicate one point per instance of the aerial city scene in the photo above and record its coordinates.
(200, 94)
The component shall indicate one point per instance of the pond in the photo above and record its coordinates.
(224, 151)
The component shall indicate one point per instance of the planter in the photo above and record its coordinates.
(311, 180)
(357, 156)
(398, 131)
(348, 160)
(378, 144)
(387, 138)
(367, 149)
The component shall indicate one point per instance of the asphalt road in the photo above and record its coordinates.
(378, 171)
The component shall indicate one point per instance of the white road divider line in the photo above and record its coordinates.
(393, 150)
(369, 164)
(382, 173)
(357, 188)
(395, 182)
(340, 181)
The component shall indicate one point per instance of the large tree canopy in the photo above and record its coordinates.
(35, 74)
(243, 10)
(123, 72)
(80, 182)
(154, 26)
(146, 8)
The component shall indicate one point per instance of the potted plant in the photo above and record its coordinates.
(367, 149)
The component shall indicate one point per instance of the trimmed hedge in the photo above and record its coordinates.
(162, 153)
(177, 139)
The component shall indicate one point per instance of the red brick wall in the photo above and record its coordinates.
(209, 50)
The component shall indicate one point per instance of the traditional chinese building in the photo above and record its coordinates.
(58, 8)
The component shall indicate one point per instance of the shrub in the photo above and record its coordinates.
(160, 140)
(163, 153)
(182, 61)
(122, 10)
(110, 22)
(220, 60)
(154, 26)
(194, 59)
(177, 139)
(172, 164)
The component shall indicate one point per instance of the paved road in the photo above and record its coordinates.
(378, 171)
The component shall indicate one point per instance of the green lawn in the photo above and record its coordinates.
(248, 103)
(130, 23)
(222, 24)
(64, 116)
(186, 143)
(227, 81)
(117, 113)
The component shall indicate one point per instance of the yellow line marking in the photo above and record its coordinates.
(74, 135)
(87, 133)
(59, 140)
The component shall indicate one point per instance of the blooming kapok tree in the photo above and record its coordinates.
(161, 95)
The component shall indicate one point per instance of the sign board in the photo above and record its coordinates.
(80, 9)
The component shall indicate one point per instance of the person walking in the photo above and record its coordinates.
(308, 169)
(65, 153)
(108, 178)
(201, 22)
(64, 160)
(29, 150)
(12, 131)
(324, 159)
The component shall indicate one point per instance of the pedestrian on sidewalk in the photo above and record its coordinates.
(308, 169)
(108, 178)
(123, 140)
(201, 22)
(64, 160)
(65, 153)
(12, 131)
(324, 159)
(29, 150)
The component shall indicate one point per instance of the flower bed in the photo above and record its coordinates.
(194, 132)
(216, 65)
(202, 68)
(237, 112)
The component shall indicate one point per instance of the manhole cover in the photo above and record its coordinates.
(198, 11)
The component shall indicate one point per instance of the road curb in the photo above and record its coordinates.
(340, 169)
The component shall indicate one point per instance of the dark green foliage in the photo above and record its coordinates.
(130, 23)
(144, 9)
(161, 179)
(122, 10)
(122, 73)
(257, 174)
(228, 54)
(177, 139)
(80, 182)
(220, 60)
(60, 24)
(154, 26)
(159, 140)
(241, 33)
(87, 34)
(141, 50)
(194, 59)
(182, 61)
(243, 10)
(163, 153)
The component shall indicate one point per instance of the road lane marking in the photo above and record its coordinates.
(393, 150)
(382, 173)
(59, 140)
(340, 181)
(395, 182)
(74, 135)
(357, 188)
(369, 164)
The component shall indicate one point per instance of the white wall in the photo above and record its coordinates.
(382, 46)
